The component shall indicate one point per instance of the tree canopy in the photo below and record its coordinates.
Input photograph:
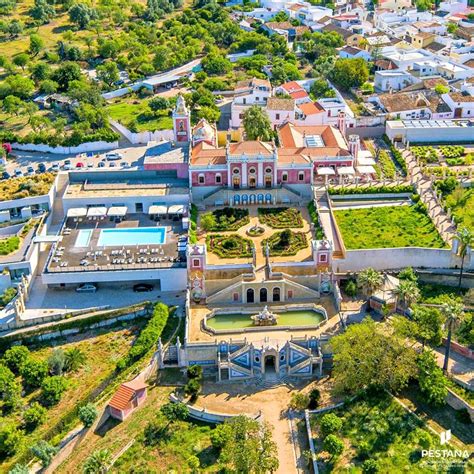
(256, 124)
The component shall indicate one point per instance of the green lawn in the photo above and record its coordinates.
(387, 227)
(139, 114)
(376, 429)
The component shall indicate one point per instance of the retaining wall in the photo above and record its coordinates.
(142, 137)
(456, 402)
(67, 150)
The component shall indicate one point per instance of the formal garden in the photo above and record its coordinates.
(388, 227)
(452, 155)
(226, 219)
(229, 246)
(280, 217)
(285, 243)
(12, 243)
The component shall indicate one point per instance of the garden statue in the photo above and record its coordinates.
(265, 318)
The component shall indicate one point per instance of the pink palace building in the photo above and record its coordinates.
(256, 172)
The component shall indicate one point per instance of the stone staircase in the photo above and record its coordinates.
(273, 380)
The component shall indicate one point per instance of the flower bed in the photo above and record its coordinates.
(26, 186)
(226, 219)
(400, 188)
(9, 245)
(285, 243)
(280, 217)
(229, 246)
(425, 154)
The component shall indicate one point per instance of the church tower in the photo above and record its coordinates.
(181, 121)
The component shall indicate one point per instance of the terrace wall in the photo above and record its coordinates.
(398, 258)
(67, 150)
(142, 137)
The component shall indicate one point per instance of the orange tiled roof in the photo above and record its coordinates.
(292, 86)
(204, 153)
(124, 395)
(310, 108)
(300, 94)
(251, 147)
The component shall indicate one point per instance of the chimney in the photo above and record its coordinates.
(354, 146)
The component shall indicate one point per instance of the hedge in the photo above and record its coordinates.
(313, 213)
(148, 337)
(397, 156)
(76, 138)
(193, 226)
(398, 188)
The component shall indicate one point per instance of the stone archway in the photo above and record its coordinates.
(250, 295)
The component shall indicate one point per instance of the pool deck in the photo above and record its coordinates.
(197, 313)
(132, 256)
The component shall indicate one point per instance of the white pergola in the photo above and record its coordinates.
(345, 171)
(365, 161)
(97, 212)
(177, 209)
(117, 211)
(77, 212)
(325, 171)
(156, 209)
(366, 169)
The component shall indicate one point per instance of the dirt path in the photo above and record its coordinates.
(273, 403)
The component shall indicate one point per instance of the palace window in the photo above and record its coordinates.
(201, 179)
(236, 171)
(300, 176)
(218, 179)
(196, 262)
(268, 170)
(284, 177)
(323, 258)
(252, 170)
(278, 116)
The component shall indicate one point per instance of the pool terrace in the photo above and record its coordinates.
(83, 246)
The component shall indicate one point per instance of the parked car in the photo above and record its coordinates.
(124, 165)
(41, 167)
(30, 170)
(112, 156)
(79, 164)
(86, 288)
(6, 175)
(18, 172)
(112, 164)
(142, 287)
(90, 165)
(101, 164)
(55, 167)
(67, 165)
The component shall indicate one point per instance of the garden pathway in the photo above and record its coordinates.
(425, 189)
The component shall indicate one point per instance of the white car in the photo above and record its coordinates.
(55, 167)
(86, 288)
(124, 165)
(67, 165)
(112, 156)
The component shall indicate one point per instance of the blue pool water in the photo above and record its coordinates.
(135, 236)
(83, 238)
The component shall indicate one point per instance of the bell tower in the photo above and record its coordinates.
(181, 121)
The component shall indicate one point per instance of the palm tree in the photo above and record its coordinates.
(98, 462)
(407, 292)
(369, 280)
(466, 240)
(75, 359)
(453, 311)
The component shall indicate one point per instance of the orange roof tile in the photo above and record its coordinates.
(301, 94)
(311, 108)
(291, 86)
(123, 396)
(251, 147)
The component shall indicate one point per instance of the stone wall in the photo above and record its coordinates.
(456, 402)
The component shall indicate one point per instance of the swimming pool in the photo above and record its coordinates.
(135, 236)
(83, 238)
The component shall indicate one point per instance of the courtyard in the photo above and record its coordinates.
(286, 230)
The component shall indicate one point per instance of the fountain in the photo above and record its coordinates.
(264, 318)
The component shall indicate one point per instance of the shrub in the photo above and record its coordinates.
(19, 469)
(400, 188)
(52, 389)
(313, 213)
(44, 452)
(56, 362)
(314, 397)
(229, 246)
(9, 245)
(149, 336)
(33, 373)
(88, 414)
(192, 389)
(98, 462)
(220, 435)
(350, 288)
(285, 243)
(10, 390)
(194, 372)
(424, 439)
(370, 466)
(299, 401)
(15, 357)
(280, 217)
(333, 445)
(75, 359)
(330, 423)
(34, 416)
(10, 437)
(7, 296)
(226, 219)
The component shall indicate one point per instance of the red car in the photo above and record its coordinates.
(80, 164)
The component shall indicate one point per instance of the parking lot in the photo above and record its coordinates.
(133, 155)
(44, 301)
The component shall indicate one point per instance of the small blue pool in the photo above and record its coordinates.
(135, 236)
(83, 238)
